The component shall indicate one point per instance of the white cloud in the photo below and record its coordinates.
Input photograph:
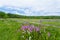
(17, 3)
(36, 5)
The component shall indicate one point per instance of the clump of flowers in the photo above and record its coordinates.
(30, 31)
(30, 28)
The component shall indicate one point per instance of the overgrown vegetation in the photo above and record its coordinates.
(10, 15)
(15, 29)
(29, 27)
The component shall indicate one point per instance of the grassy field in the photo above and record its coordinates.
(10, 29)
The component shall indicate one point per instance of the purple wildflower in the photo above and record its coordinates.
(48, 34)
(37, 29)
(30, 29)
(24, 28)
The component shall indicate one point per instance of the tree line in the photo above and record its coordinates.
(10, 15)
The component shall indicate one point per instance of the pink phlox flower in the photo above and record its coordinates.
(24, 28)
(37, 29)
(48, 34)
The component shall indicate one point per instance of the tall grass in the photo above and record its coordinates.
(11, 30)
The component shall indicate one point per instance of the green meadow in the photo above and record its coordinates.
(10, 29)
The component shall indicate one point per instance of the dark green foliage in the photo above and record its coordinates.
(3, 15)
(10, 15)
(13, 15)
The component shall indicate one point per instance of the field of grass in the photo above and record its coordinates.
(10, 29)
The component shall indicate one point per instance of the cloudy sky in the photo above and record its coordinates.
(33, 7)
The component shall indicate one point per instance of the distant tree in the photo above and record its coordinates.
(2, 14)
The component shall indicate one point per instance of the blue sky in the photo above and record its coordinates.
(31, 7)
